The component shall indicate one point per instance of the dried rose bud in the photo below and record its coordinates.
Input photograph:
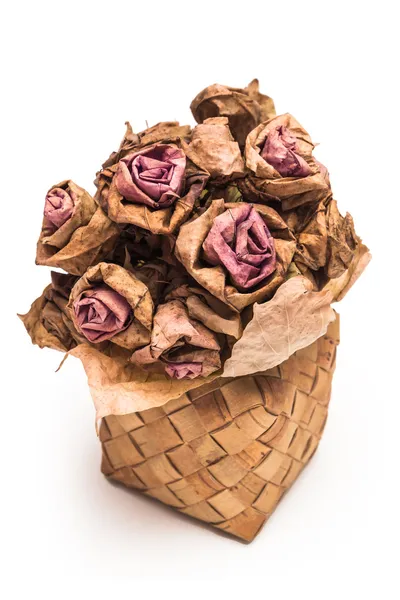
(75, 231)
(59, 206)
(153, 176)
(245, 108)
(101, 313)
(181, 346)
(247, 264)
(279, 151)
(282, 168)
(110, 303)
(240, 241)
(154, 188)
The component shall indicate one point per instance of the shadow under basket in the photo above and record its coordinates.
(226, 452)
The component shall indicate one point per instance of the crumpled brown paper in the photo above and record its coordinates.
(213, 148)
(214, 279)
(245, 108)
(80, 242)
(293, 319)
(129, 287)
(265, 184)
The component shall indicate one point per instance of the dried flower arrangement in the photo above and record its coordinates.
(197, 293)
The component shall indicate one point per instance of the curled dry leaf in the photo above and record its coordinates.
(207, 309)
(213, 149)
(342, 241)
(189, 250)
(293, 319)
(181, 346)
(244, 108)
(166, 131)
(47, 321)
(309, 181)
(341, 285)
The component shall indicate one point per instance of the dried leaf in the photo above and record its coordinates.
(213, 149)
(245, 108)
(340, 286)
(292, 320)
(119, 388)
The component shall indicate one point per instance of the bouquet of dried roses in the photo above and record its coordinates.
(197, 292)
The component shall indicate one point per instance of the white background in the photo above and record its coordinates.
(72, 73)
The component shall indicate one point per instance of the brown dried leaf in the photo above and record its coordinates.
(292, 320)
(340, 286)
(213, 149)
(245, 108)
(119, 388)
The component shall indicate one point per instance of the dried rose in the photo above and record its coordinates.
(258, 263)
(47, 321)
(213, 148)
(75, 232)
(240, 241)
(182, 347)
(153, 176)
(110, 303)
(244, 108)
(101, 313)
(279, 150)
(279, 155)
(154, 188)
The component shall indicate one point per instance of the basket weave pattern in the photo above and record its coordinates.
(226, 452)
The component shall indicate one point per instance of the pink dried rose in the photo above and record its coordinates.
(180, 346)
(240, 241)
(282, 168)
(59, 206)
(108, 303)
(279, 151)
(257, 263)
(153, 176)
(101, 313)
(75, 233)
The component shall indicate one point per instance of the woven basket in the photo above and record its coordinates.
(226, 452)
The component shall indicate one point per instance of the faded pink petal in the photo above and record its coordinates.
(241, 242)
(101, 313)
(153, 176)
(279, 151)
(188, 370)
(59, 206)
